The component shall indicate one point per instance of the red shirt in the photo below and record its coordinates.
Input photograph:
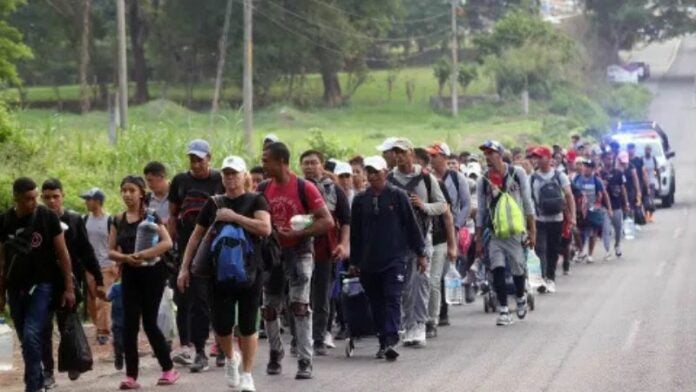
(495, 178)
(284, 202)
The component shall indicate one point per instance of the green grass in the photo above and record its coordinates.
(75, 147)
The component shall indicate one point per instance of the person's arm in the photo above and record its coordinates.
(639, 195)
(68, 298)
(173, 218)
(438, 204)
(528, 205)
(194, 241)
(115, 252)
(464, 202)
(451, 236)
(570, 202)
(356, 242)
(164, 244)
(415, 238)
(481, 213)
(342, 250)
(259, 225)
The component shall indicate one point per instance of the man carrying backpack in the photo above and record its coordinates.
(428, 202)
(456, 189)
(291, 199)
(188, 193)
(506, 210)
(594, 197)
(329, 248)
(552, 197)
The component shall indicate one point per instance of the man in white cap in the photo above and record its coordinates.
(344, 172)
(188, 193)
(386, 148)
(429, 202)
(384, 235)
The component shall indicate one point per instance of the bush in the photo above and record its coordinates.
(627, 102)
(556, 128)
(574, 104)
(329, 146)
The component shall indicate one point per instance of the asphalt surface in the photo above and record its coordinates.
(621, 325)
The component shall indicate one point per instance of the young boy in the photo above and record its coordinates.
(115, 297)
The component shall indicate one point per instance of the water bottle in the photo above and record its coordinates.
(147, 236)
(629, 228)
(453, 287)
(6, 346)
(301, 222)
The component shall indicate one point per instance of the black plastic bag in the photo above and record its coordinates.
(74, 352)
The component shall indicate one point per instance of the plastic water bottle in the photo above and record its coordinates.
(147, 236)
(629, 228)
(453, 287)
(6, 346)
(301, 222)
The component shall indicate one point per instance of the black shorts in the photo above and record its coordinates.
(236, 307)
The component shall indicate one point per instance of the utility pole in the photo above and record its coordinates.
(248, 87)
(122, 67)
(455, 64)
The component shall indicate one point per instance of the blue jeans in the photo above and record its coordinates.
(29, 310)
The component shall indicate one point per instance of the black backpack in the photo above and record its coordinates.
(551, 199)
(422, 218)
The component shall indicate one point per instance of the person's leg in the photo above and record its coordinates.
(437, 265)
(104, 307)
(47, 345)
(200, 314)
(150, 298)
(183, 316)
(541, 247)
(500, 286)
(606, 230)
(132, 287)
(372, 284)
(392, 285)
(299, 296)
(320, 296)
(617, 222)
(422, 295)
(248, 314)
(408, 295)
(553, 247)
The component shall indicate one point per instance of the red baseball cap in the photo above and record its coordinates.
(543, 152)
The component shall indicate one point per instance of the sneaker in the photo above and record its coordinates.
(274, 367)
(262, 334)
(419, 335)
(320, 349)
(49, 380)
(246, 383)
(566, 272)
(430, 331)
(608, 256)
(200, 364)
(128, 384)
(550, 286)
(169, 378)
(504, 319)
(329, 341)
(73, 375)
(293, 349)
(589, 259)
(391, 354)
(232, 370)
(184, 357)
(521, 307)
(409, 336)
(220, 359)
(304, 370)
(618, 252)
(542, 288)
(380, 353)
(214, 350)
(443, 322)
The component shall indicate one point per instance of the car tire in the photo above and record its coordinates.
(668, 200)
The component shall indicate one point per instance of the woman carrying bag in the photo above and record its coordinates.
(238, 208)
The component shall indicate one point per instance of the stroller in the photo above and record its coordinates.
(490, 298)
(356, 311)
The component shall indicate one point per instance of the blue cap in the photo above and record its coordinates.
(199, 148)
(94, 194)
(492, 145)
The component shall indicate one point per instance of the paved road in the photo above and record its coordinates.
(622, 325)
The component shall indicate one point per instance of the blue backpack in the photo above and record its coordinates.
(233, 257)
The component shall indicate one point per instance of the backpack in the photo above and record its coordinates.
(455, 181)
(234, 255)
(17, 247)
(507, 217)
(439, 229)
(422, 218)
(324, 245)
(551, 198)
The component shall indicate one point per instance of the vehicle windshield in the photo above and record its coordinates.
(641, 144)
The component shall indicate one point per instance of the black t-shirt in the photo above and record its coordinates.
(40, 265)
(190, 194)
(637, 163)
(246, 205)
(127, 231)
(614, 180)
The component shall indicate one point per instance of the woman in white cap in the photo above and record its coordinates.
(249, 211)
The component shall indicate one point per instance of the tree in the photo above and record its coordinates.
(221, 58)
(137, 23)
(12, 49)
(85, 101)
(622, 24)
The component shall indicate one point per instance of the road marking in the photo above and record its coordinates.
(632, 334)
(678, 231)
(660, 269)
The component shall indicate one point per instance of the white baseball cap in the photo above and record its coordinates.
(343, 168)
(271, 138)
(387, 144)
(235, 163)
(378, 163)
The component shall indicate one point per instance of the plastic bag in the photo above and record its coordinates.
(464, 240)
(629, 229)
(165, 315)
(74, 352)
(534, 270)
(453, 287)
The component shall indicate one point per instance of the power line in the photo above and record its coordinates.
(358, 35)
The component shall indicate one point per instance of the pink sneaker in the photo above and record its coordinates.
(214, 350)
(169, 378)
(129, 383)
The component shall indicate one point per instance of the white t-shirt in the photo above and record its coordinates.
(98, 234)
(538, 182)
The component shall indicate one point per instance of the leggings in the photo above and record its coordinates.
(142, 292)
(501, 285)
